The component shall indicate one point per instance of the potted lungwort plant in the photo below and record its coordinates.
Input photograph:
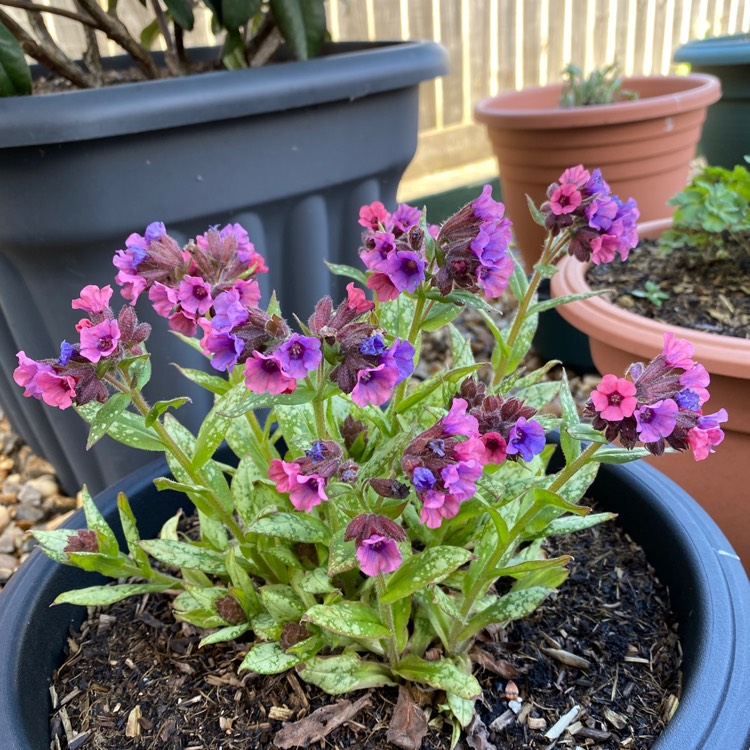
(280, 149)
(368, 528)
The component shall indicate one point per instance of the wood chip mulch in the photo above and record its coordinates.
(603, 657)
(711, 297)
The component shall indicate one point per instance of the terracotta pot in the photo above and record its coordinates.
(643, 146)
(618, 337)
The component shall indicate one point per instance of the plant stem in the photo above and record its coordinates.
(574, 466)
(169, 443)
(386, 613)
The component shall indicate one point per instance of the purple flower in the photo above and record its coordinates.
(249, 291)
(373, 346)
(491, 243)
(155, 231)
(526, 439)
(405, 269)
(494, 279)
(458, 422)
(485, 208)
(401, 356)
(194, 294)
(378, 554)
(299, 355)
(656, 421)
(706, 434)
(381, 245)
(601, 212)
(100, 340)
(309, 491)
(423, 479)
(678, 352)
(66, 352)
(27, 373)
(460, 478)
(374, 385)
(226, 349)
(316, 451)
(229, 311)
(405, 217)
(264, 374)
(93, 300)
(688, 399)
(697, 379)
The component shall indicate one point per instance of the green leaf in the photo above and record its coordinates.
(268, 658)
(387, 455)
(571, 524)
(512, 606)
(342, 674)
(316, 582)
(295, 527)
(236, 13)
(281, 602)
(517, 570)
(53, 542)
(239, 400)
(461, 348)
(536, 214)
(571, 447)
(342, 555)
(161, 406)
(584, 431)
(351, 619)
(95, 520)
(540, 394)
(302, 24)
(132, 537)
(212, 383)
(101, 596)
(441, 314)
(15, 77)
(230, 633)
(442, 674)
(575, 488)
(614, 455)
(185, 555)
(461, 708)
(129, 429)
(149, 33)
(420, 570)
(182, 13)
(106, 416)
(234, 51)
(350, 272)
(549, 304)
(211, 433)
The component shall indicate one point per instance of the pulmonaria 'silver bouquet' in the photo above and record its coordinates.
(367, 518)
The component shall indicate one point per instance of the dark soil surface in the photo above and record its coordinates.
(712, 297)
(136, 679)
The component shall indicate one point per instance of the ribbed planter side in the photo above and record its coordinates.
(709, 591)
(726, 132)
(618, 338)
(289, 151)
(643, 147)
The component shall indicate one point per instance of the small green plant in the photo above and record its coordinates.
(652, 292)
(602, 86)
(712, 214)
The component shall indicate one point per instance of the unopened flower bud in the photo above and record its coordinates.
(390, 488)
(229, 609)
(84, 540)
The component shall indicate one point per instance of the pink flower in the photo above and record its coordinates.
(56, 390)
(183, 322)
(458, 422)
(697, 379)
(460, 478)
(378, 554)
(194, 294)
(384, 243)
(614, 398)
(309, 491)
(706, 434)
(577, 175)
(27, 373)
(249, 291)
(678, 352)
(373, 216)
(264, 374)
(436, 506)
(131, 285)
(494, 448)
(381, 284)
(284, 473)
(100, 340)
(356, 300)
(470, 450)
(163, 298)
(93, 299)
(604, 247)
(565, 199)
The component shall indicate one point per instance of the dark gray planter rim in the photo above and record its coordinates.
(358, 70)
(710, 592)
(720, 50)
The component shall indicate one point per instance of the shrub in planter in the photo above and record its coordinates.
(381, 524)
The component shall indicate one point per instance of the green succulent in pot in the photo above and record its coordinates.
(252, 31)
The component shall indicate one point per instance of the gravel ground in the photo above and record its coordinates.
(30, 496)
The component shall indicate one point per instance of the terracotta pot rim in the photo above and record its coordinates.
(517, 110)
(722, 355)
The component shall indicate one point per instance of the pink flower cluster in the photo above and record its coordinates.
(600, 225)
(473, 248)
(376, 538)
(76, 375)
(185, 284)
(659, 404)
(366, 367)
(393, 249)
(305, 478)
(442, 467)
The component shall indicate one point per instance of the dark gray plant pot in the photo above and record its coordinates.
(726, 131)
(291, 151)
(708, 587)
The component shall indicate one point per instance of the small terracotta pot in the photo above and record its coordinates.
(618, 337)
(643, 146)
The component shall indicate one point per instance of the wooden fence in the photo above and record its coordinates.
(493, 45)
